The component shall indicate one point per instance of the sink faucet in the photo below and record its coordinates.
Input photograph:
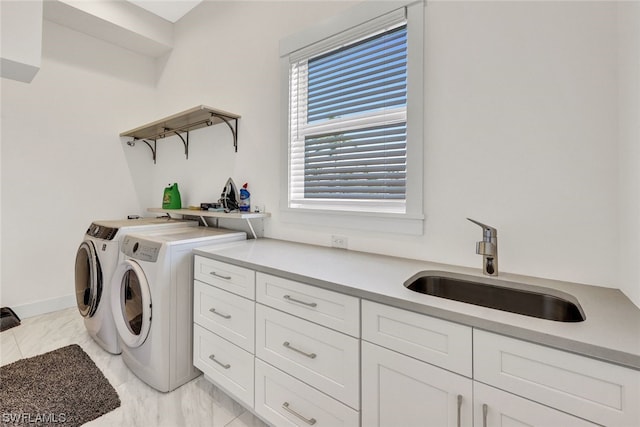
(488, 248)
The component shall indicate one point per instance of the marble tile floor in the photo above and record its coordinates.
(197, 403)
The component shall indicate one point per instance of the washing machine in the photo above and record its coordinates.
(151, 299)
(96, 260)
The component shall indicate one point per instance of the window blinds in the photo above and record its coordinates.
(363, 77)
(348, 123)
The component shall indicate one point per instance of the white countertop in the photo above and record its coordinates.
(611, 331)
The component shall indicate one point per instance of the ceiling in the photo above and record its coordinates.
(171, 10)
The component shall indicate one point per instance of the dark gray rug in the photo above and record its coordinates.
(63, 388)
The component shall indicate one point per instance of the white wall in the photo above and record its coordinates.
(21, 39)
(521, 130)
(62, 162)
(225, 56)
(520, 120)
(521, 133)
(629, 121)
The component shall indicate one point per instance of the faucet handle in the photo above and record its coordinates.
(487, 230)
(486, 248)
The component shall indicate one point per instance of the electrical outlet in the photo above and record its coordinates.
(339, 242)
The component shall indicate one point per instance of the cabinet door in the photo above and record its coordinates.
(398, 390)
(497, 408)
(601, 392)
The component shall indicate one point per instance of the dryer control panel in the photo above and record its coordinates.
(143, 250)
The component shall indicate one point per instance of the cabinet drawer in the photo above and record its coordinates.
(285, 401)
(497, 408)
(439, 342)
(237, 280)
(321, 357)
(224, 364)
(328, 308)
(226, 314)
(598, 391)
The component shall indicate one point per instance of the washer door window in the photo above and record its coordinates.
(131, 303)
(88, 279)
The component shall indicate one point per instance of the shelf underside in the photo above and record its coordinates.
(194, 118)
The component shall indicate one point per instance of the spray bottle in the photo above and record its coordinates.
(245, 201)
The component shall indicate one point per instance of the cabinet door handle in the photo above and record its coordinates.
(309, 355)
(310, 421)
(224, 365)
(213, 273)
(459, 408)
(226, 316)
(485, 409)
(309, 304)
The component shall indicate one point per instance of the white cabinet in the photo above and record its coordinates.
(497, 408)
(225, 314)
(398, 390)
(294, 358)
(327, 308)
(312, 334)
(439, 342)
(231, 278)
(321, 357)
(407, 386)
(224, 363)
(516, 383)
(286, 401)
(300, 355)
(224, 327)
(597, 391)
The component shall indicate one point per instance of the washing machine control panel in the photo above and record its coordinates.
(143, 250)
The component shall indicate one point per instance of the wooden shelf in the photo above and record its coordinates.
(182, 123)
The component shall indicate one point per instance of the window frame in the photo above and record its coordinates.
(411, 221)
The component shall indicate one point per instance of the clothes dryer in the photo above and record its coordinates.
(151, 300)
(96, 260)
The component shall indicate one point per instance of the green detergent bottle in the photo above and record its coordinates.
(171, 198)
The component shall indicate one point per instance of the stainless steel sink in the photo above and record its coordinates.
(499, 294)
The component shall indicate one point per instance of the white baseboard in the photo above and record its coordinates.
(44, 306)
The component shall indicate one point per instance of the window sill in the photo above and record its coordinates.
(365, 221)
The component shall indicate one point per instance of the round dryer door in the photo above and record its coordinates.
(88, 279)
(131, 303)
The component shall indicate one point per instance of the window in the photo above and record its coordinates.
(351, 122)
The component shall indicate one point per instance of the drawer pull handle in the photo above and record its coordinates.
(225, 366)
(459, 407)
(310, 421)
(213, 273)
(309, 355)
(226, 316)
(485, 409)
(309, 304)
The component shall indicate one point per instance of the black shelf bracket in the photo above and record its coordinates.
(184, 142)
(233, 128)
(153, 149)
